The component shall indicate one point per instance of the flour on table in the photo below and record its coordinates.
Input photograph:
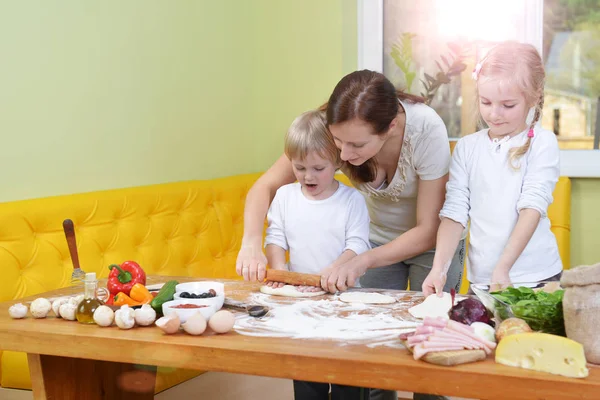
(366, 298)
(433, 306)
(327, 319)
(289, 290)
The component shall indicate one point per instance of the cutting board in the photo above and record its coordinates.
(454, 357)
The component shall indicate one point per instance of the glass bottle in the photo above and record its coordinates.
(85, 309)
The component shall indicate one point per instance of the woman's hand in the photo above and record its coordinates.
(341, 277)
(434, 283)
(500, 279)
(251, 263)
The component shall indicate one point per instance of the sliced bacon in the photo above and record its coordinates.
(438, 322)
(469, 331)
(405, 336)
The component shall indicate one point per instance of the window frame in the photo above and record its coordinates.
(573, 163)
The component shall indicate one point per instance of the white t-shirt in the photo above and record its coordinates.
(425, 155)
(317, 232)
(485, 190)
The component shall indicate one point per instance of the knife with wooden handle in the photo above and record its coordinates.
(293, 278)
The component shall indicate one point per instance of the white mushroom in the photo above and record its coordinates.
(39, 308)
(125, 317)
(145, 316)
(169, 324)
(56, 305)
(195, 325)
(104, 316)
(68, 311)
(18, 311)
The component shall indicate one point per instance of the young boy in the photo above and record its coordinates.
(320, 221)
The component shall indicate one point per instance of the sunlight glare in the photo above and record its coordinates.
(486, 20)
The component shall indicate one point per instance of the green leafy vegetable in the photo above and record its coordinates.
(541, 310)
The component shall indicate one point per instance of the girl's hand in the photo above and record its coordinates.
(500, 280)
(340, 277)
(251, 263)
(434, 283)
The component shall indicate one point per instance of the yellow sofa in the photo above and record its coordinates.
(188, 228)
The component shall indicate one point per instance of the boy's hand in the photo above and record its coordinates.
(308, 289)
(275, 285)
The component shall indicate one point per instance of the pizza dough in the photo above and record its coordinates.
(366, 297)
(433, 307)
(290, 291)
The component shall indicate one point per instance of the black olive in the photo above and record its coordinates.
(185, 295)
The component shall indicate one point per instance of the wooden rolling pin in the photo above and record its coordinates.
(293, 278)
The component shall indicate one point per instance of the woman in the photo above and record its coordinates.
(395, 151)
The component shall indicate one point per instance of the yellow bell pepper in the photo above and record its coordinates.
(140, 293)
(122, 299)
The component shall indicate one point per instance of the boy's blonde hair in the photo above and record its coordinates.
(308, 133)
(519, 64)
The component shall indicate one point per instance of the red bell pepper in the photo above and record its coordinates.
(123, 277)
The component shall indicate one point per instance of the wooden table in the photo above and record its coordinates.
(69, 360)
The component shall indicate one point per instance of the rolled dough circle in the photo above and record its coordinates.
(366, 297)
(289, 291)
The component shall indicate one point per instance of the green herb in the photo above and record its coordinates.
(541, 310)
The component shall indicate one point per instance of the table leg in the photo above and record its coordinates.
(65, 378)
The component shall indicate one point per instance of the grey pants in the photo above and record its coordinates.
(397, 276)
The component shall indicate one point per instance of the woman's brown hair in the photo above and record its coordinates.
(369, 97)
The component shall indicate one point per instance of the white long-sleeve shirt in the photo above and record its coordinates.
(317, 232)
(485, 190)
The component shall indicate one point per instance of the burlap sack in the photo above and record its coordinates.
(581, 308)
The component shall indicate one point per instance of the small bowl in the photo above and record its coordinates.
(212, 307)
(503, 310)
(200, 287)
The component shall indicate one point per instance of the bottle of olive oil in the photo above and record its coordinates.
(85, 309)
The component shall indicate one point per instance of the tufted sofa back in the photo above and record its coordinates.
(191, 228)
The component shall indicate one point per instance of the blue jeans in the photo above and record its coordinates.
(397, 277)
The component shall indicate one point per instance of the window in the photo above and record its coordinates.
(429, 47)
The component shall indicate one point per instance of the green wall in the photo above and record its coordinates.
(585, 222)
(106, 94)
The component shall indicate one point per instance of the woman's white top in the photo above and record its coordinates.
(425, 155)
(484, 190)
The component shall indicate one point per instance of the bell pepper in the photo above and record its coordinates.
(140, 293)
(121, 299)
(123, 277)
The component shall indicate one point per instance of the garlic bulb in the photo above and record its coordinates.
(17, 311)
(39, 308)
(125, 317)
(195, 325)
(56, 305)
(145, 316)
(68, 311)
(75, 300)
(104, 316)
(169, 324)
